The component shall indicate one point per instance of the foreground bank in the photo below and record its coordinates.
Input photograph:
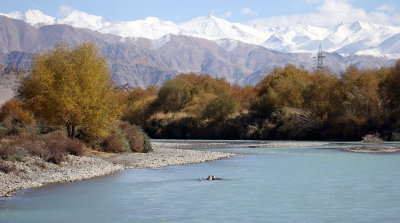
(33, 172)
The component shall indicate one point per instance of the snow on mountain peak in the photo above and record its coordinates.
(31, 16)
(83, 20)
(345, 38)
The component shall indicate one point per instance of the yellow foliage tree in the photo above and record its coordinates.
(72, 87)
(283, 87)
(13, 110)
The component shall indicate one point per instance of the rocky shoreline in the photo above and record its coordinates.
(33, 172)
(372, 149)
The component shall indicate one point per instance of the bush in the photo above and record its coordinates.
(133, 136)
(219, 108)
(372, 138)
(59, 145)
(88, 139)
(10, 151)
(6, 167)
(115, 143)
(6, 149)
(145, 140)
(56, 143)
(75, 147)
(37, 149)
(127, 138)
(56, 158)
(395, 136)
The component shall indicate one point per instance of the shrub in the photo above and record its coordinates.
(219, 108)
(395, 136)
(116, 142)
(56, 144)
(41, 164)
(37, 149)
(56, 158)
(88, 139)
(372, 138)
(127, 138)
(7, 167)
(133, 136)
(145, 140)
(6, 149)
(10, 151)
(75, 147)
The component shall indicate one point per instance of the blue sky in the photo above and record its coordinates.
(320, 12)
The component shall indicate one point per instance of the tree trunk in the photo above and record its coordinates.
(70, 131)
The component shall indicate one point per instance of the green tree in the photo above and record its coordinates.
(174, 95)
(219, 108)
(72, 87)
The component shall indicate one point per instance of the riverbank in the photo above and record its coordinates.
(34, 172)
(372, 149)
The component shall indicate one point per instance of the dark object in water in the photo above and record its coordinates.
(212, 177)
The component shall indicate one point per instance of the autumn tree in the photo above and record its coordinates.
(138, 102)
(71, 87)
(283, 87)
(363, 100)
(13, 110)
(190, 93)
(324, 96)
(244, 95)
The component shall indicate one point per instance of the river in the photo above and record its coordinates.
(312, 184)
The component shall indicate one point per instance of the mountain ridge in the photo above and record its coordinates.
(357, 38)
(142, 62)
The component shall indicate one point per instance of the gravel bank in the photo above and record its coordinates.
(36, 173)
(33, 172)
(163, 155)
(187, 144)
(372, 149)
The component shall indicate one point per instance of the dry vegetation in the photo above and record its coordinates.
(288, 103)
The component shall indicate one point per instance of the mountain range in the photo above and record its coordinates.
(357, 38)
(151, 51)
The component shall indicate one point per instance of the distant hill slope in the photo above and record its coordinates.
(9, 80)
(143, 62)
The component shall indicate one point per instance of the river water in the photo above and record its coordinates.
(313, 184)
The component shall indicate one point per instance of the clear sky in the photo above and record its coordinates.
(319, 12)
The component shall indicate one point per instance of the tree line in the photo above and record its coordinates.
(288, 103)
(72, 88)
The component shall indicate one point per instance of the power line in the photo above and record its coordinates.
(320, 60)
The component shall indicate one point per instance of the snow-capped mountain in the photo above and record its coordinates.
(33, 17)
(356, 38)
(213, 28)
(143, 61)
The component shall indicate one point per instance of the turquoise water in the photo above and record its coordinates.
(264, 185)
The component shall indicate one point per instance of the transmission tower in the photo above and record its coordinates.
(320, 60)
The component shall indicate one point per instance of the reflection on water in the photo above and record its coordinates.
(312, 184)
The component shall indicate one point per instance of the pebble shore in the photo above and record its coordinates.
(33, 172)
(373, 149)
